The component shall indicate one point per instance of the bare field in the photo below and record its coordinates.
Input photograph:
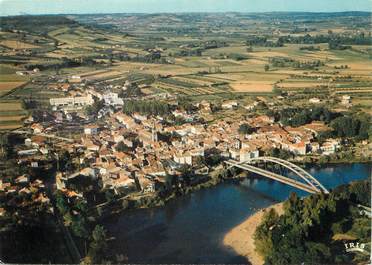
(301, 84)
(9, 126)
(8, 86)
(103, 75)
(267, 54)
(18, 45)
(256, 86)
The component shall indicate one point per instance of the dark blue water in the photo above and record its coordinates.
(190, 229)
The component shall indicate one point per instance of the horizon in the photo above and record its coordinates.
(92, 7)
(190, 12)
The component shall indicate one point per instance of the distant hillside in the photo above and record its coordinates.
(34, 23)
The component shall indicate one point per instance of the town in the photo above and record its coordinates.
(101, 142)
(97, 120)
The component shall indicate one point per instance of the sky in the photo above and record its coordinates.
(16, 7)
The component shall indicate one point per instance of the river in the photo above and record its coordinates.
(190, 229)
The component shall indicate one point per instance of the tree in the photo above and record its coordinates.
(79, 226)
(95, 108)
(280, 153)
(153, 107)
(122, 147)
(345, 126)
(245, 129)
(81, 205)
(98, 245)
(267, 67)
(277, 91)
(65, 161)
(4, 141)
(262, 235)
(61, 203)
(170, 180)
(109, 195)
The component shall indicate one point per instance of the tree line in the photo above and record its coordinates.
(357, 39)
(63, 63)
(343, 125)
(149, 107)
(305, 232)
(263, 41)
(288, 62)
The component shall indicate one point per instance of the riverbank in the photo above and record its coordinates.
(241, 237)
(152, 200)
(334, 159)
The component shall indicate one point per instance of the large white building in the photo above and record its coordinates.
(113, 99)
(71, 102)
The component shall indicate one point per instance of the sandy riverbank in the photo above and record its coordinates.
(240, 238)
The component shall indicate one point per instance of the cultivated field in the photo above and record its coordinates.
(11, 115)
(5, 87)
(241, 57)
(17, 45)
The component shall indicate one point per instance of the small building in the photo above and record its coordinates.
(232, 104)
(183, 158)
(314, 100)
(27, 152)
(22, 179)
(91, 129)
(126, 120)
(147, 183)
(346, 100)
(314, 147)
(76, 77)
(205, 106)
(37, 128)
(330, 146)
(248, 153)
(299, 148)
(28, 142)
(35, 164)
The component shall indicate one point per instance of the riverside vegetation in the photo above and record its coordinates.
(314, 229)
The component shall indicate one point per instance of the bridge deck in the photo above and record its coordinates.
(274, 176)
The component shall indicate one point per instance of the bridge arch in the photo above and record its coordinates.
(311, 184)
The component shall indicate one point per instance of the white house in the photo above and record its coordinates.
(91, 129)
(330, 147)
(346, 100)
(184, 158)
(230, 104)
(314, 100)
(113, 99)
(246, 154)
